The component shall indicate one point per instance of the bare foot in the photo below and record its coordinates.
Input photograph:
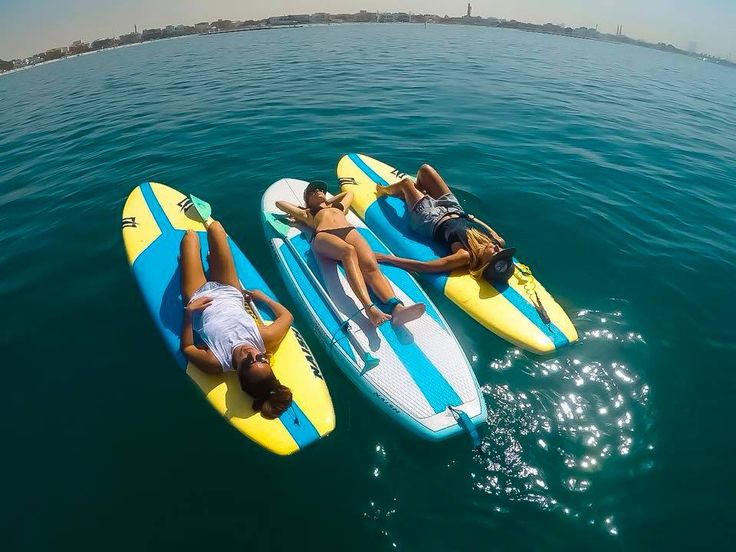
(377, 316)
(402, 314)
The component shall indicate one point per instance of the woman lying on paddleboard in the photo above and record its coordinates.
(336, 239)
(434, 212)
(216, 310)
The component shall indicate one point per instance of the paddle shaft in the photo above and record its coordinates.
(354, 340)
(256, 314)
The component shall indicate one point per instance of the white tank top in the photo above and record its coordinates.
(225, 323)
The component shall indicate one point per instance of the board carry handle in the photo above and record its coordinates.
(369, 360)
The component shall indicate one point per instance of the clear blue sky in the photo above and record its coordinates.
(29, 26)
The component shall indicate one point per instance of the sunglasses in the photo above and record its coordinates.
(260, 357)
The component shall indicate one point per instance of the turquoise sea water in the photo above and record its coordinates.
(610, 168)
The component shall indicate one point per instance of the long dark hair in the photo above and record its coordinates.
(276, 403)
(270, 397)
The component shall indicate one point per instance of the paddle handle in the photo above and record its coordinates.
(313, 278)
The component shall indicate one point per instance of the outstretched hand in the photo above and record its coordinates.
(383, 258)
(254, 295)
(198, 304)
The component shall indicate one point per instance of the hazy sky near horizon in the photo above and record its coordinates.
(30, 26)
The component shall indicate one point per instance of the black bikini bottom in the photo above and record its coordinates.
(341, 233)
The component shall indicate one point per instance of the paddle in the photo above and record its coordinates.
(202, 207)
(464, 421)
(368, 359)
(252, 305)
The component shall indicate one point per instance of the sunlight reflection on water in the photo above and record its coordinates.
(577, 416)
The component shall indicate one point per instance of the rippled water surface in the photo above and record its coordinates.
(611, 168)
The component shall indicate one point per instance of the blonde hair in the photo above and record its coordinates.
(478, 243)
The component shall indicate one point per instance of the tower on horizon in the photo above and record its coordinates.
(470, 9)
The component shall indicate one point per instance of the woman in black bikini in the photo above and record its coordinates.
(335, 238)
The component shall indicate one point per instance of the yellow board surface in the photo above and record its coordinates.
(151, 236)
(510, 315)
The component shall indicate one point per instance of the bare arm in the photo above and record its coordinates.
(201, 358)
(458, 259)
(276, 331)
(294, 210)
(493, 233)
(346, 198)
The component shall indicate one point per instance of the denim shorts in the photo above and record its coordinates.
(428, 211)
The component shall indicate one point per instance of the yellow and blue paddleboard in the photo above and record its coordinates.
(154, 220)
(511, 310)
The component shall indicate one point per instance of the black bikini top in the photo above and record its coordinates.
(317, 208)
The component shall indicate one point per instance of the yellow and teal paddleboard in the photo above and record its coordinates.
(155, 218)
(517, 311)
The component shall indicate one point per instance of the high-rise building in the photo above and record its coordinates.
(470, 9)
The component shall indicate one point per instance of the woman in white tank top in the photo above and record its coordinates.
(216, 310)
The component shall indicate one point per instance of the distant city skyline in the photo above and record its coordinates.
(30, 26)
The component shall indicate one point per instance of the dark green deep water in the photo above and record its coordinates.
(611, 168)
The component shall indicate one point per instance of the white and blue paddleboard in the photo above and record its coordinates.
(423, 379)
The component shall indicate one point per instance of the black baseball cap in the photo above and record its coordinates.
(501, 266)
(315, 185)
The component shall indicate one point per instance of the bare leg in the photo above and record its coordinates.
(222, 264)
(334, 248)
(431, 182)
(378, 282)
(190, 264)
(405, 189)
(369, 267)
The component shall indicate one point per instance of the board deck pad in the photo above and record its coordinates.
(154, 220)
(422, 370)
(508, 310)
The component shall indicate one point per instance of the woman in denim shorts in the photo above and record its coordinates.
(435, 213)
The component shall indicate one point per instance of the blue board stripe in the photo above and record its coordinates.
(430, 381)
(433, 385)
(158, 274)
(373, 175)
(522, 305)
(298, 425)
(528, 310)
(327, 317)
(155, 207)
